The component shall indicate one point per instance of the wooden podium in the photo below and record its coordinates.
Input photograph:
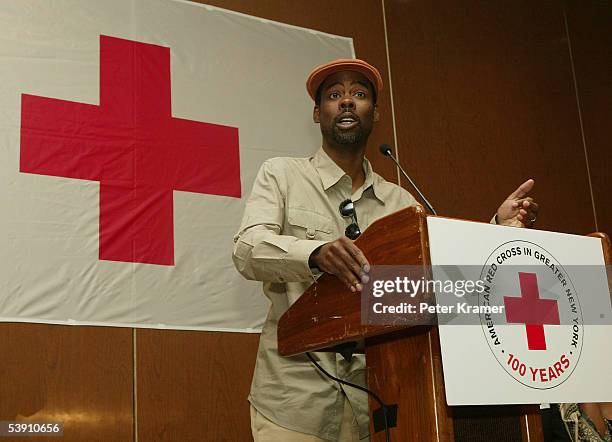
(404, 364)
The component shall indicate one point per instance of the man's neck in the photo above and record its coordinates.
(350, 160)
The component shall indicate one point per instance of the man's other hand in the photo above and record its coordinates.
(518, 210)
(343, 259)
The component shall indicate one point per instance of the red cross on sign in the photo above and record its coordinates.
(133, 146)
(531, 310)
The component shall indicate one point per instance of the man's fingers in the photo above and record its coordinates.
(344, 271)
(532, 207)
(339, 269)
(356, 256)
(522, 190)
(529, 207)
(532, 214)
(359, 257)
(527, 217)
(347, 262)
(522, 203)
(345, 251)
(351, 263)
(356, 268)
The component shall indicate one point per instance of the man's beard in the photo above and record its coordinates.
(348, 137)
(356, 136)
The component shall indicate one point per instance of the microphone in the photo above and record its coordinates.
(386, 151)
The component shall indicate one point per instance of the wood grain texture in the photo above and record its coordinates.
(590, 32)
(81, 376)
(193, 386)
(484, 99)
(531, 424)
(445, 431)
(606, 245)
(400, 371)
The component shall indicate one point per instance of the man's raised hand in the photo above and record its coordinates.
(518, 210)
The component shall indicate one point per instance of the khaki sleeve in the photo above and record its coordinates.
(261, 251)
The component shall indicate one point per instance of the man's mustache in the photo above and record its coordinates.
(347, 115)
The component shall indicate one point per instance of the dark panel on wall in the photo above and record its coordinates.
(484, 99)
(81, 376)
(590, 32)
(193, 386)
(363, 21)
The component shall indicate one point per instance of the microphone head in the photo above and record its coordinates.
(385, 150)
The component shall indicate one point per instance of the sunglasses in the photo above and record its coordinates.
(347, 210)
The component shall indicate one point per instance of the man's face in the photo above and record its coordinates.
(347, 111)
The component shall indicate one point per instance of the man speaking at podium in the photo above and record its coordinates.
(301, 219)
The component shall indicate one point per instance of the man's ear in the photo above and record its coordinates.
(316, 114)
(376, 114)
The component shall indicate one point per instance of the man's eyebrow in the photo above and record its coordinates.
(363, 83)
(338, 83)
(329, 86)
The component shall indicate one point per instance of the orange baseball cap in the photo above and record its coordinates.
(320, 73)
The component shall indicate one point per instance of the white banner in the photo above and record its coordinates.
(130, 134)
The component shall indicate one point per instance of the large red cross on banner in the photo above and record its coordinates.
(133, 146)
(531, 310)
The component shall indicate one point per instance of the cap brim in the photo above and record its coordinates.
(320, 73)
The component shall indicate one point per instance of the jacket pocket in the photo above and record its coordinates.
(307, 224)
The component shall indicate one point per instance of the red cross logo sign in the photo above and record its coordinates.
(548, 297)
(532, 311)
(134, 147)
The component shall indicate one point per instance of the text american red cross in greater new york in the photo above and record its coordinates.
(134, 147)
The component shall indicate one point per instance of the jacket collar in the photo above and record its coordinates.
(330, 173)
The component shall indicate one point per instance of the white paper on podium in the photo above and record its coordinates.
(491, 362)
